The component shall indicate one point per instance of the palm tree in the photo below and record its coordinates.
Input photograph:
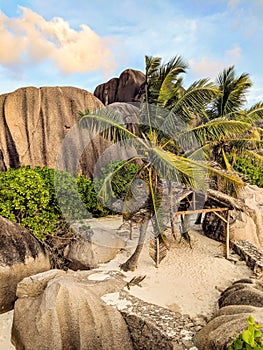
(156, 142)
(229, 130)
(226, 114)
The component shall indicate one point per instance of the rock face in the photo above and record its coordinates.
(93, 247)
(154, 327)
(21, 255)
(242, 293)
(38, 127)
(71, 303)
(236, 303)
(244, 225)
(35, 121)
(248, 226)
(129, 87)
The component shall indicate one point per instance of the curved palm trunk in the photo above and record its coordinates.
(131, 263)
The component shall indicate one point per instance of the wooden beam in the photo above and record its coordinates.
(227, 235)
(220, 217)
(199, 211)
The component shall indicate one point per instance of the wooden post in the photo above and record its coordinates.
(157, 252)
(194, 201)
(227, 235)
(130, 223)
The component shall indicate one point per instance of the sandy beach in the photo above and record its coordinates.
(187, 280)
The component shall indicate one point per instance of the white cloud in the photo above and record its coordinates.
(32, 39)
(205, 67)
(233, 56)
(210, 68)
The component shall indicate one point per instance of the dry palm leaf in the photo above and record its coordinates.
(135, 281)
(157, 250)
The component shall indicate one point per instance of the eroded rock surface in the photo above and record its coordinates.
(96, 247)
(243, 298)
(155, 327)
(35, 121)
(21, 255)
(129, 87)
(248, 226)
(71, 303)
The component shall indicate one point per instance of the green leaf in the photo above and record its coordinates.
(248, 337)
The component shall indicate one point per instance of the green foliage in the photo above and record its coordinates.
(121, 178)
(40, 199)
(250, 338)
(252, 173)
(25, 198)
(90, 198)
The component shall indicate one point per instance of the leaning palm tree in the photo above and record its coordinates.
(155, 139)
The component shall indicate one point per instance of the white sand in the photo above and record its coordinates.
(187, 280)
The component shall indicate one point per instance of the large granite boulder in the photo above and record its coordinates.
(242, 293)
(89, 248)
(237, 303)
(2, 162)
(246, 222)
(35, 121)
(248, 225)
(129, 87)
(63, 310)
(39, 127)
(21, 255)
(223, 328)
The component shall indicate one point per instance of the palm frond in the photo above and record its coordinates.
(152, 64)
(177, 168)
(106, 122)
(168, 75)
(157, 249)
(201, 153)
(226, 161)
(104, 188)
(242, 144)
(255, 113)
(216, 130)
(193, 100)
(233, 91)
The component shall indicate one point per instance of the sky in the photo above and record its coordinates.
(84, 43)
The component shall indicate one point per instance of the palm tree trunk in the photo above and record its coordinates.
(131, 263)
(171, 211)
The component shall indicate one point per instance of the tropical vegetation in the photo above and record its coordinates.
(29, 197)
(196, 137)
(250, 338)
(179, 135)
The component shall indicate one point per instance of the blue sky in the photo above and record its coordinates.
(84, 43)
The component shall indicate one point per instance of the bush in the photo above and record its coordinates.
(41, 199)
(250, 338)
(25, 199)
(252, 173)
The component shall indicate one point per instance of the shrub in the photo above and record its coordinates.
(250, 338)
(25, 199)
(41, 199)
(252, 173)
